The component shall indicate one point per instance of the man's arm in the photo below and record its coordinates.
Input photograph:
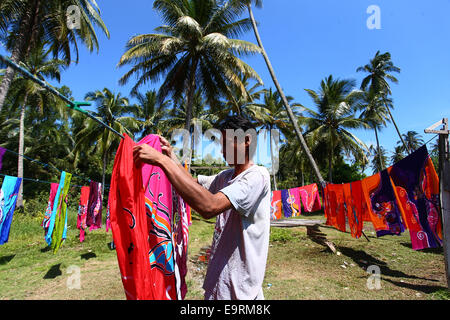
(208, 205)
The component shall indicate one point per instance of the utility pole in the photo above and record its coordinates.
(444, 186)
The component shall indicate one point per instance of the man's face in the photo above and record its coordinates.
(235, 147)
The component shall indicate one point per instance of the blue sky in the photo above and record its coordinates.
(307, 41)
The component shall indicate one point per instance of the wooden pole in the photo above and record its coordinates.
(444, 188)
(444, 181)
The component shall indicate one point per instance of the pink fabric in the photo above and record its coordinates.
(82, 211)
(295, 193)
(310, 198)
(48, 211)
(158, 205)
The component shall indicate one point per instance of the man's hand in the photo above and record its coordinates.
(146, 154)
(167, 149)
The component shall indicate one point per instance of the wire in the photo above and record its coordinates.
(45, 165)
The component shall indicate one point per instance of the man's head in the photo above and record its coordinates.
(238, 139)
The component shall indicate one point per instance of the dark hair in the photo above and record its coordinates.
(236, 122)
(240, 122)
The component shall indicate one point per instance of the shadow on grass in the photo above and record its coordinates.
(45, 249)
(417, 287)
(53, 272)
(6, 259)
(363, 260)
(88, 255)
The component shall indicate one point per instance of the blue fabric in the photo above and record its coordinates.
(287, 210)
(8, 198)
(51, 226)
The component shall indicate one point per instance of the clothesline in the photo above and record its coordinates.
(42, 181)
(45, 165)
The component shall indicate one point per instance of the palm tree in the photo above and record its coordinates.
(374, 112)
(28, 93)
(398, 154)
(378, 166)
(379, 72)
(271, 114)
(413, 141)
(116, 112)
(32, 22)
(194, 50)
(242, 4)
(336, 103)
(151, 112)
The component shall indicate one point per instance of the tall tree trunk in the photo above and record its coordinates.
(189, 105)
(283, 97)
(21, 150)
(396, 128)
(9, 75)
(380, 161)
(22, 46)
(330, 166)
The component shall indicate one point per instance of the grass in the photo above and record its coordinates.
(297, 268)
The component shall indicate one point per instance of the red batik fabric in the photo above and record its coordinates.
(276, 206)
(310, 198)
(82, 211)
(129, 224)
(159, 210)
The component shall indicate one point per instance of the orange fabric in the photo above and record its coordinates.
(369, 186)
(335, 206)
(354, 207)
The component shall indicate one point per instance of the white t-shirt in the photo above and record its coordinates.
(241, 238)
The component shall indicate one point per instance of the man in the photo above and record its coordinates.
(239, 198)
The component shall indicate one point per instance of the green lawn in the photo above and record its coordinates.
(297, 267)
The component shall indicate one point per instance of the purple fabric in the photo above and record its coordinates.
(286, 203)
(2, 152)
(384, 203)
(94, 215)
(410, 174)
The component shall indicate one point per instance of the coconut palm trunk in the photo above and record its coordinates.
(398, 131)
(21, 150)
(378, 148)
(189, 105)
(21, 48)
(283, 97)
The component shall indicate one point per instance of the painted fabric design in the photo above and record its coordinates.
(82, 211)
(94, 214)
(286, 200)
(335, 210)
(59, 233)
(310, 198)
(296, 202)
(276, 207)
(417, 187)
(129, 224)
(8, 198)
(159, 210)
(48, 212)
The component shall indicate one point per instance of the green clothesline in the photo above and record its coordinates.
(71, 104)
